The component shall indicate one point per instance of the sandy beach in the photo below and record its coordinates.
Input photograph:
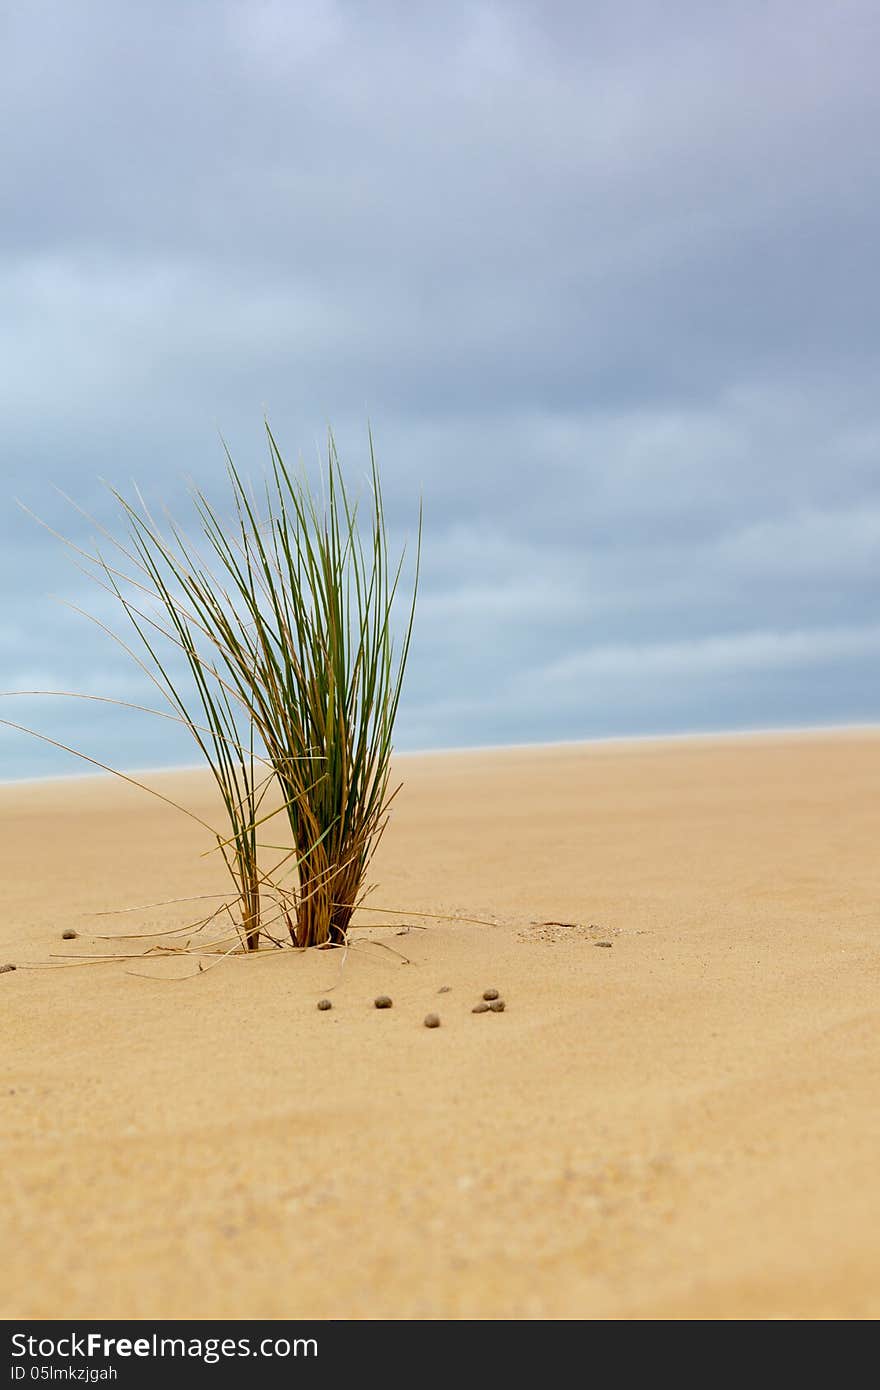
(675, 1117)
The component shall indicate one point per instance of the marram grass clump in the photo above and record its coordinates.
(286, 624)
(271, 637)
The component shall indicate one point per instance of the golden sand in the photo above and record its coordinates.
(685, 1124)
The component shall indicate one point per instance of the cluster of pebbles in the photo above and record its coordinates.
(490, 1002)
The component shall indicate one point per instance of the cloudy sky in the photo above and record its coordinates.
(602, 276)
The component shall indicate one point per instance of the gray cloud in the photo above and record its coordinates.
(601, 277)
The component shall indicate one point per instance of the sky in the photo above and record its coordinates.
(601, 277)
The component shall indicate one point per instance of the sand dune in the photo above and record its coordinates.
(684, 1124)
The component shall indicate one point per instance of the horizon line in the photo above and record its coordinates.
(681, 736)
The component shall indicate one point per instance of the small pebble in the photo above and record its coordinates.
(497, 1006)
(490, 994)
(5, 969)
(480, 1008)
(324, 1004)
(444, 989)
(432, 1020)
(606, 944)
(69, 934)
(383, 1001)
